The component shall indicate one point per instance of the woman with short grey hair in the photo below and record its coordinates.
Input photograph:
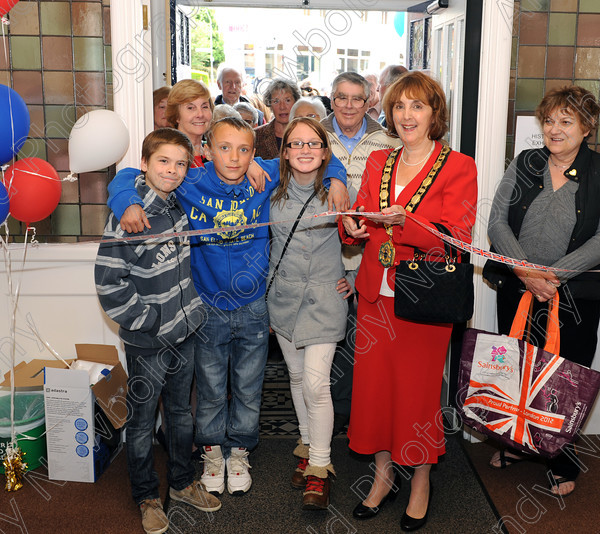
(308, 106)
(248, 113)
(280, 96)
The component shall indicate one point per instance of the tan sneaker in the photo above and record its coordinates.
(154, 519)
(197, 496)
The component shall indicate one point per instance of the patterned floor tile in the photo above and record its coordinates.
(277, 416)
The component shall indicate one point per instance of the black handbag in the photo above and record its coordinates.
(435, 291)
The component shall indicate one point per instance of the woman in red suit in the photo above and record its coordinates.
(399, 363)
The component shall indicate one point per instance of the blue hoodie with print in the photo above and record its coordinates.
(228, 268)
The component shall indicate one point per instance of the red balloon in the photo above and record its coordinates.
(6, 6)
(34, 189)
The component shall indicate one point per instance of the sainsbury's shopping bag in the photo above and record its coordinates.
(524, 396)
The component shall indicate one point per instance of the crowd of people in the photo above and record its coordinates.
(203, 307)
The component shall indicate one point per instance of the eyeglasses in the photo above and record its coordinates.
(277, 101)
(299, 145)
(355, 101)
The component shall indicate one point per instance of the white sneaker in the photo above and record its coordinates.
(238, 476)
(213, 476)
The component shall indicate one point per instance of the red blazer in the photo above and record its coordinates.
(451, 200)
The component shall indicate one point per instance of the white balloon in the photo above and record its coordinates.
(98, 139)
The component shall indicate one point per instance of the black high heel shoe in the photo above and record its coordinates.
(367, 512)
(410, 524)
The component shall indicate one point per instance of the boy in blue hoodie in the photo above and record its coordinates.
(157, 315)
(229, 269)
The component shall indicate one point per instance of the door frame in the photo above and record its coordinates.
(133, 102)
(453, 17)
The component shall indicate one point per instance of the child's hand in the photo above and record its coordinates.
(343, 286)
(257, 176)
(338, 197)
(134, 219)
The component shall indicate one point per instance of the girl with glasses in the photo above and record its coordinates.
(307, 295)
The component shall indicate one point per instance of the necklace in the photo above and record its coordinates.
(560, 166)
(420, 162)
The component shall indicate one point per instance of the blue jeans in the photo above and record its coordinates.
(170, 372)
(232, 346)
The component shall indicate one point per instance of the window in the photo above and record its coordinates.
(353, 60)
(303, 66)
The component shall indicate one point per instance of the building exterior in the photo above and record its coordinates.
(318, 45)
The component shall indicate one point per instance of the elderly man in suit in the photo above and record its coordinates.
(230, 82)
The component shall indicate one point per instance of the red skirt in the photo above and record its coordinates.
(397, 385)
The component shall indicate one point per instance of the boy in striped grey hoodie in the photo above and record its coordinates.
(146, 287)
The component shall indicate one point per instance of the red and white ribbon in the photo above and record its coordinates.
(457, 243)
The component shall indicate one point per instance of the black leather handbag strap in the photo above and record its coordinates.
(289, 238)
(451, 251)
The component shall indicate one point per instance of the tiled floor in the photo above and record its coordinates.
(277, 416)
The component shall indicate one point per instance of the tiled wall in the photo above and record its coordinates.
(555, 43)
(59, 62)
(57, 56)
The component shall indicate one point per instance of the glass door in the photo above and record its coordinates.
(448, 49)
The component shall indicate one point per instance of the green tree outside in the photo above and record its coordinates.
(203, 27)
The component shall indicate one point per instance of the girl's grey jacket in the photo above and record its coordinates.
(146, 286)
(303, 302)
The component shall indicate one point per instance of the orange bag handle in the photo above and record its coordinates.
(520, 322)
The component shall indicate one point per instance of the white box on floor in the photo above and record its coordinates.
(80, 440)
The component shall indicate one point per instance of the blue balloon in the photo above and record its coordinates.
(4, 203)
(14, 118)
(399, 22)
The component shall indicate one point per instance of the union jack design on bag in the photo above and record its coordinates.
(526, 397)
(519, 416)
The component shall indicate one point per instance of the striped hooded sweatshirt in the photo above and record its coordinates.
(145, 285)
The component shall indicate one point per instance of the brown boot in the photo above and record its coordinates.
(301, 451)
(298, 480)
(316, 493)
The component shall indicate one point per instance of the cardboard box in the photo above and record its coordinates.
(29, 376)
(80, 442)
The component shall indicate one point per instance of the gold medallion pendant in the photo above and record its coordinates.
(387, 254)
(386, 250)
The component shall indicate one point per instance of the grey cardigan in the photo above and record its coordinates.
(546, 229)
(303, 302)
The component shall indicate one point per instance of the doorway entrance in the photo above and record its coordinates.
(322, 38)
